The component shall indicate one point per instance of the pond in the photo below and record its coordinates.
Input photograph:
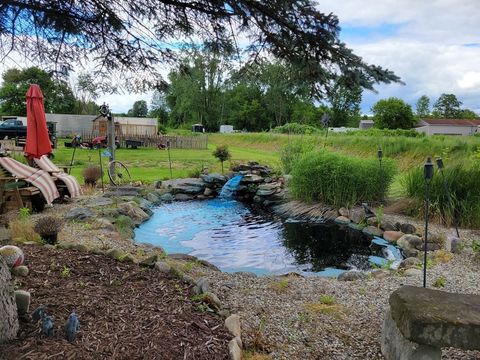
(236, 237)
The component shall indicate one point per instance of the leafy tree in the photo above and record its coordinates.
(447, 106)
(467, 114)
(345, 99)
(222, 153)
(120, 35)
(423, 106)
(58, 97)
(393, 113)
(86, 91)
(139, 109)
(158, 107)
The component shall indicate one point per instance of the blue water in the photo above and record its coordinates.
(234, 237)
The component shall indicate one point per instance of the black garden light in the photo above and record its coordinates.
(325, 122)
(440, 166)
(428, 176)
(169, 159)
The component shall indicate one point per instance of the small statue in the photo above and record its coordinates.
(47, 325)
(72, 326)
(38, 314)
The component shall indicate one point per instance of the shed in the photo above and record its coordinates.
(461, 127)
(366, 124)
(133, 126)
(226, 129)
(198, 128)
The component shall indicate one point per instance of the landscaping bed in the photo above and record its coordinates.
(125, 311)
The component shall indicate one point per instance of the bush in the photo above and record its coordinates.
(292, 152)
(463, 183)
(91, 174)
(340, 180)
(295, 128)
(222, 153)
(386, 132)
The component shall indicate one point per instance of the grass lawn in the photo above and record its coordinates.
(150, 164)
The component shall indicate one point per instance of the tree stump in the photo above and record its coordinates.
(8, 308)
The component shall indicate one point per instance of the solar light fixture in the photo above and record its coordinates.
(428, 176)
(169, 159)
(439, 162)
(380, 154)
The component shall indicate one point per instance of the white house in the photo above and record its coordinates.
(448, 126)
(366, 124)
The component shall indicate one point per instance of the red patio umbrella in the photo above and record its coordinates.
(38, 141)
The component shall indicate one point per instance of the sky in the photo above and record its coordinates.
(434, 46)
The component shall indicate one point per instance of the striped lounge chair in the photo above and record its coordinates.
(17, 174)
(73, 187)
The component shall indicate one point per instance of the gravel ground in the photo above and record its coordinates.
(290, 328)
(287, 318)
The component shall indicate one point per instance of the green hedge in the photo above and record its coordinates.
(463, 183)
(296, 128)
(340, 180)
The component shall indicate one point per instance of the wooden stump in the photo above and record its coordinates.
(8, 307)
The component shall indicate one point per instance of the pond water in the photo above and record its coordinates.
(236, 237)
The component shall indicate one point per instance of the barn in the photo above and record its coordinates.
(127, 126)
(448, 126)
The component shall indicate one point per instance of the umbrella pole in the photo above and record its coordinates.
(71, 161)
(101, 167)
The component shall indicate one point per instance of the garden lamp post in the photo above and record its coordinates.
(440, 166)
(380, 156)
(169, 159)
(428, 175)
(325, 122)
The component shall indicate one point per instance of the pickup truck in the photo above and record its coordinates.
(14, 129)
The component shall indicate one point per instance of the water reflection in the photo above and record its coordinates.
(236, 238)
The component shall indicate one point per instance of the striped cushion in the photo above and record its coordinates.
(72, 184)
(36, 177)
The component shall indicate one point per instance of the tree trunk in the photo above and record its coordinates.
(8, 307)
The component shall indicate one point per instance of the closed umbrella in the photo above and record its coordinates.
(38, 141)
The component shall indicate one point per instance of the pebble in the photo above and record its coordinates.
(232, 323)
(22, 298)
(21, 270)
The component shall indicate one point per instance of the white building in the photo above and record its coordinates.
(448, 126)
(226, 129)
(366, 124)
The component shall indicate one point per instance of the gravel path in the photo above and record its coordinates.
(292, 328)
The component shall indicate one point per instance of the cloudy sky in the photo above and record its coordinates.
(434, 46)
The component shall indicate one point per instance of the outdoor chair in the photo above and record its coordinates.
(24, 186)
(61, 178)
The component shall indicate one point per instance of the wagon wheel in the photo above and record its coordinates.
(118, 173)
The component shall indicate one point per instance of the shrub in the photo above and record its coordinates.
(292, 152)
(22, 231)
(463, 184)
(295, 128)
(340, 180)
(386, 132)
(48, 225)
(222, 153)
(91, 174)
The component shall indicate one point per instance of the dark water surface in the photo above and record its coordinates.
(235, 237)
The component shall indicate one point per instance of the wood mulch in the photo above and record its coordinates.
(125, 312)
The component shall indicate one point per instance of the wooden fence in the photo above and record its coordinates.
(176, 142)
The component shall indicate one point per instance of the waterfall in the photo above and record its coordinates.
(230, 187)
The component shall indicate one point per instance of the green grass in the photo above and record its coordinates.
(150, 164)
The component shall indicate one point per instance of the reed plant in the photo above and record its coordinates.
(340, 180)
(463, 187)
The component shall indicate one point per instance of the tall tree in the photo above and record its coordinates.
(467, 114)
(447, 106)
(134, 35)
(393, 113)
(158, 107)
(58, 97)
(345, 99)
(423, 106)
(86, 91)
(139, 109)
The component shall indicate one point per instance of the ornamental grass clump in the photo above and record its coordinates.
(91, 174)
(48, 228)
(340, 180)
(463, 185)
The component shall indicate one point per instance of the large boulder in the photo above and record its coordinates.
(372, 231)
(79, 214)
(357, 215)
(252, 179)
(408, 243)
(214, 179)
(189, 186)
(437, 318)
(406, 228)
(392, 236)
(132, 210)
